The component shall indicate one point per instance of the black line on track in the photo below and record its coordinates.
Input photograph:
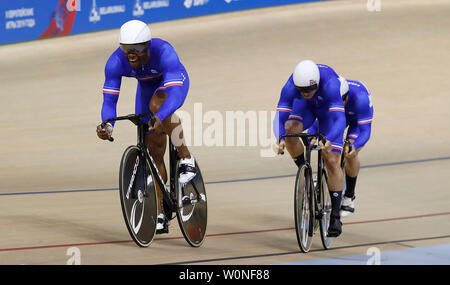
(231, 180)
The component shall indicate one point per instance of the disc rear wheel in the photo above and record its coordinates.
(192, 213)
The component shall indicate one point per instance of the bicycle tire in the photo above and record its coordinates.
(140, 203)
(304, 208)
(325, 206)
(193, 225)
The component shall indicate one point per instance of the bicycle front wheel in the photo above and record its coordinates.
(304, 208)
(192, 213)
(138, 196)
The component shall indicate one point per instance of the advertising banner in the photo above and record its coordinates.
(24, 20)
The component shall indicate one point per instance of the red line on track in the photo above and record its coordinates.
(220, 234)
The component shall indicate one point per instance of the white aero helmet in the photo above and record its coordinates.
(306, 74)
(134, 32)
(344, 86)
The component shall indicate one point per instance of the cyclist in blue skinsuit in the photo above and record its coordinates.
(163, 84)
(313, 91)
(359, 115)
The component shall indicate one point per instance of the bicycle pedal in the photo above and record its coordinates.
(186, 201)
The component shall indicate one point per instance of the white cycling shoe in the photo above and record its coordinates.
(162, 227)
(348, 206)
(187, 170)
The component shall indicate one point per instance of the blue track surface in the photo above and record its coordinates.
(429, 255)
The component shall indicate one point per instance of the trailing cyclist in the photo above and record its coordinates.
(359, 115)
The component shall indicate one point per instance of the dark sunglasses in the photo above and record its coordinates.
(307, 88)
(139, 48)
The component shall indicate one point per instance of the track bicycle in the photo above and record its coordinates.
(138, 179)
(312, 202)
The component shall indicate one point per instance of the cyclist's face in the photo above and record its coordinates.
(137, 59)
(307, 94)
(137, 55)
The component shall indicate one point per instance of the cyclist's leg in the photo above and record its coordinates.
(294, 145)
(173, 128)
(332, 159)
(172, 124)
(352, 164)
(332, 162)
(335, 175)
(300, 119)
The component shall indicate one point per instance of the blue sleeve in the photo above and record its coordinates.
(336, 109)
(284, 109)
(278, 123)
(173, 82)
(365, 115)
(363, 136)
(111, 88)
(313, 128)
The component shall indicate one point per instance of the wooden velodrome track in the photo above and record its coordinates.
(58, 186)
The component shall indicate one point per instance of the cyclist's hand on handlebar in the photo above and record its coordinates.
(106, 132)
(279, 148)
(157, 126)
(312, 142)
(327, 147)
(351, 154)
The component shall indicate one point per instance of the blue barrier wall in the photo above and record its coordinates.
(24, 20)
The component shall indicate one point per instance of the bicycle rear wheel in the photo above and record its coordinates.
(192, 213)
(325, 206)
(304, 208)
(138, 196)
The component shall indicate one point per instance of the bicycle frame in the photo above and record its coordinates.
(141, 135)
(176, 198)
(308, 150)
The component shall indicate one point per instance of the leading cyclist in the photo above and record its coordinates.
(163, 84)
